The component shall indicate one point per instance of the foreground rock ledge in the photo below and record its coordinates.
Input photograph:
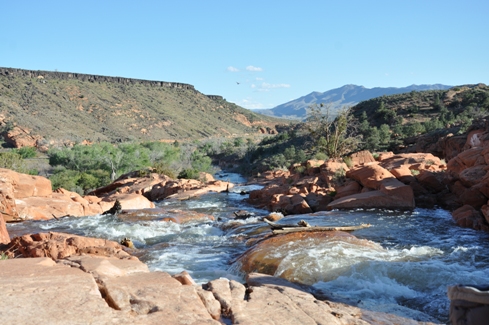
(96, 290)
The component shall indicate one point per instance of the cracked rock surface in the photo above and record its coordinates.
(99, 290)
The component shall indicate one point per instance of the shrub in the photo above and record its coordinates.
(348, 162)
(27, 152)
(189, 173)
(162, 168)
(321, 156)
(12, 160)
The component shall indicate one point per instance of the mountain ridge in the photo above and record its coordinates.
(347, 95)
(76, 107)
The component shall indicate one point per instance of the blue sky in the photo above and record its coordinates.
(276, 50)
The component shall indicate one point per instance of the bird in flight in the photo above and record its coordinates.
(237, 82)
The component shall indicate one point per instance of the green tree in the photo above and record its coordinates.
(339, 133)
(384, 134)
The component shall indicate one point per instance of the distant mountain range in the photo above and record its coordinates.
(348, 95)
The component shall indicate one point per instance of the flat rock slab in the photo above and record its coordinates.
(95, 291)
(38, 291)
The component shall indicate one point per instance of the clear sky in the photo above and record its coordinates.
(277, 50)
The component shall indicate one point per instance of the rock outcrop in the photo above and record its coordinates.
(95, 290)
(390, 182)
(4, 236)
(60, 245)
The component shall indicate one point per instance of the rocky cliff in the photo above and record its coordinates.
(51, 106)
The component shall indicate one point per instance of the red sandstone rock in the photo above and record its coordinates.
(404, 174)
(21, 137)
(384, 155)
(132, 183)
(4, 236)
(290, 204)
(266, 256)
(467, 216)
(210, 302)
(59, 245)
(361, 158)
(369, 175)
(431, 181)
(184, 278)
(128, 202)
(473, 175)
(349, 188)
(318, 201)
(331, 168)
(375, 199)
(169, 215)
(410, 159)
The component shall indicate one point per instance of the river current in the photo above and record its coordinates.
(419, 253)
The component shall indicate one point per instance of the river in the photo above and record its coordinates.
(420, 253)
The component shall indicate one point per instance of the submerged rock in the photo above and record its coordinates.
(294, 256)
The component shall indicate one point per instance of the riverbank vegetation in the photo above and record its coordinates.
(388, 123)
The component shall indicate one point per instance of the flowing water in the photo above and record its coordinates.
(418, 254)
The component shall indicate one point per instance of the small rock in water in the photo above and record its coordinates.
(127, 242)
(274, 216)
(242, 214)
(115, 209)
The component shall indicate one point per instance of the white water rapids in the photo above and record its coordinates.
(416, 256)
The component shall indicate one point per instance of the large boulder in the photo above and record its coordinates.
(289, 204)
(468, 217)
(332, 169)
(370, 175)
(273, 255)
(361, 158)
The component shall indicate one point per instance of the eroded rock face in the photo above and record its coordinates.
(21, 137)
(4, 236)
(269, 300)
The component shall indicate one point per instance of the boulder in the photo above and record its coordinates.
(431, 181)
(404, 174)
(267, 255)
(184, 278)
(318, 201)
(132, 183)
(376, 200)
(163, 190)
(128, 201)
(263, 196)
(289, 204)
(361, 158)
(370, 175)
(473, 175)
(410, 159)
(331, 169)
(349, 188)
(468, 217)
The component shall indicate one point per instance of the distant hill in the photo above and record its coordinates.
(348, 95)
(62, 106)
